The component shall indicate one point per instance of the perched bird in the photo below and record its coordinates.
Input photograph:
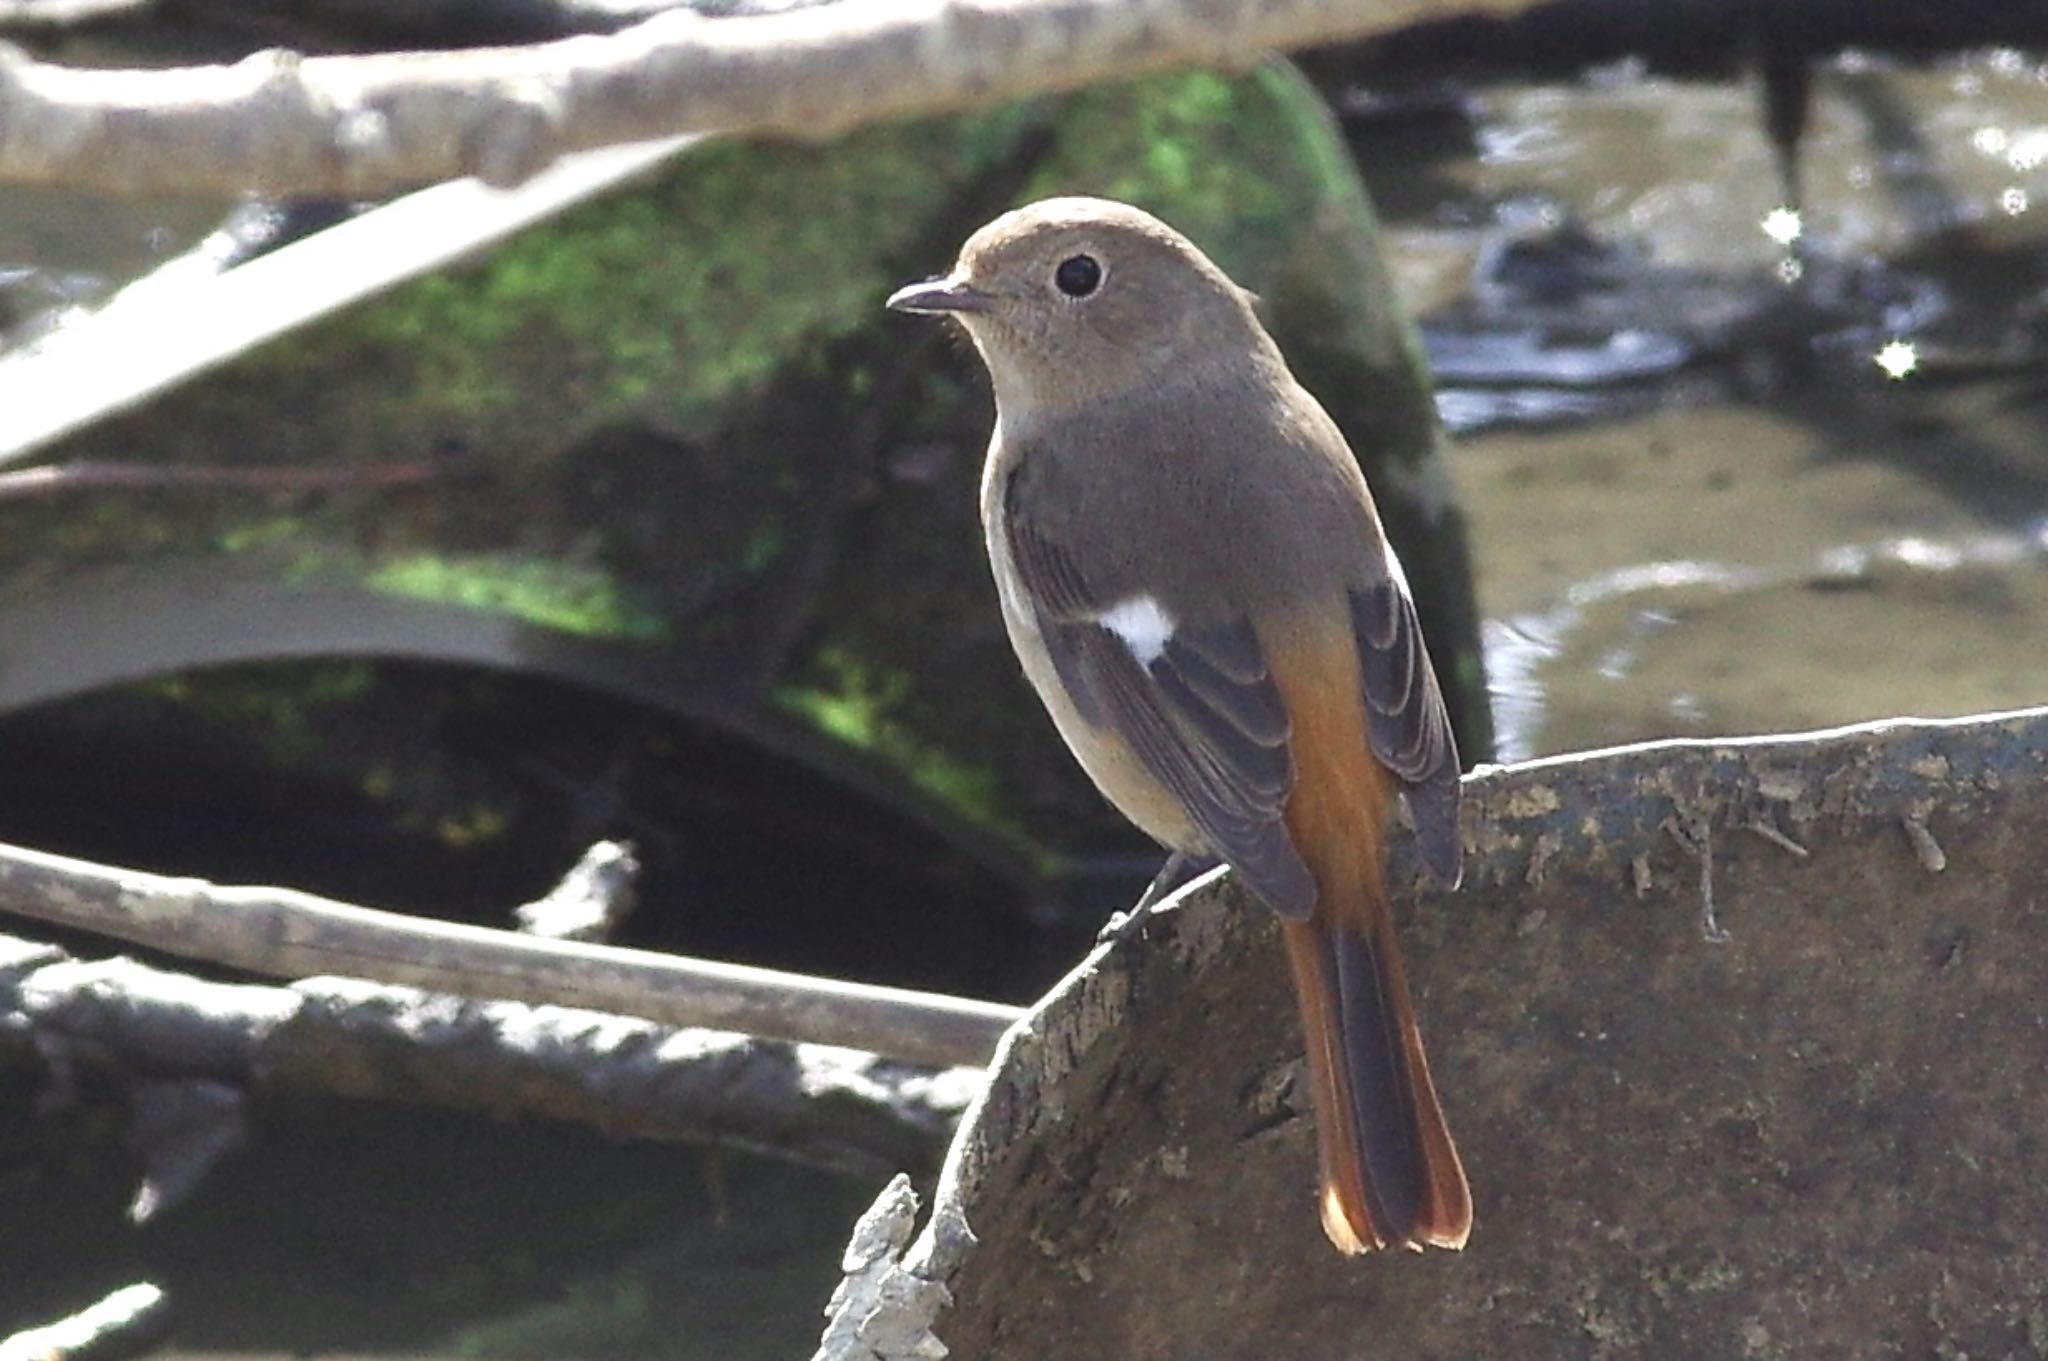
(1194, 577)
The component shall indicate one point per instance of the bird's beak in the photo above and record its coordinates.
(939, 296)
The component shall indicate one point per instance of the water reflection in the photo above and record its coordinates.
(1691, 648)
(1737, 463)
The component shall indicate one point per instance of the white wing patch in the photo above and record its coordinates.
(1142, 624)
(1394, 570)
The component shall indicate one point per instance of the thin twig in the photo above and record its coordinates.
(283, 933)
(1768, 830)
(1694, 832)
(98, 474)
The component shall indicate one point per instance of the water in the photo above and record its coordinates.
(1698, 502)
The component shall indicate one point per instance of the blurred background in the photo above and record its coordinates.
(644, 521)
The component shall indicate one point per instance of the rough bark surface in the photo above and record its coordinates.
(1804, 1125)
(61, 1018)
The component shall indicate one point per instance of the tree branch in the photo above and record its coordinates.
(362, 126)
(93, 474)
(51, 16)
(131, 1321)
(816, 1104)
(284, 933)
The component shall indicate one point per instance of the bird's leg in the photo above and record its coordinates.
(1180, 870)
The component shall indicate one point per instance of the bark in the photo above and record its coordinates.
(282, 125)
(163, 1035)
(1739, 1041)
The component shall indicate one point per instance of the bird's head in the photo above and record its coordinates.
(1071, 300)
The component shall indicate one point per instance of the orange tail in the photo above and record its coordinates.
(1390, 1175)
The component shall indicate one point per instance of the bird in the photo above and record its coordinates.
(1194, 577)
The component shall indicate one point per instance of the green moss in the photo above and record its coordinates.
(857, 705)
(549, 594)
(671, 300)
(261, 533)
(1220, 158)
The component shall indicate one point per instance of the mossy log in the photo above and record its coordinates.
(1742, 1042)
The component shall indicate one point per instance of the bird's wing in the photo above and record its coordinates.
(1192, 699)
(1410, 730)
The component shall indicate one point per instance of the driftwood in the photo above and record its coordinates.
(1797, 1118)
(284, 933)
(281, 124)
(162, 1033)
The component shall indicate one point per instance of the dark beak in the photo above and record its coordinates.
(939, 296)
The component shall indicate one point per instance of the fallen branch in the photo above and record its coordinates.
(129, 1322)
(815, 1104)
(280, 124)
(283, 933)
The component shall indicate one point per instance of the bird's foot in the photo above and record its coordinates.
(1180, 870)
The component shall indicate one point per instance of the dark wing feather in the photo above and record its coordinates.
(1059, 598)
(1411, 731)
(1203, 717)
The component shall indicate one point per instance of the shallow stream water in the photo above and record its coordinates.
(1751, 525)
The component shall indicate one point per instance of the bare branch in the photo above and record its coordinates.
(166, 1033)
(361, 126)
(129, 1322)
(90, 474)
(281, 932)
(39, 16)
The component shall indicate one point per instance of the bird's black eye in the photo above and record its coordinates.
(1078, 276)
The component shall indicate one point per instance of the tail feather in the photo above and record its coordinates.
(1390, 1175)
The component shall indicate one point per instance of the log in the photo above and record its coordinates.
(165, 1033)
(1741, 1041)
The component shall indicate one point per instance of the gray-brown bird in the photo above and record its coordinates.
(1195, 579)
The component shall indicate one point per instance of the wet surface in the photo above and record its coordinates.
(1700, 502)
